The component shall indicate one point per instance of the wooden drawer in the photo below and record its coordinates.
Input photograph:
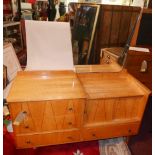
(110, 131)
(67, 107)
(68, 122)
(48, 116)
(71, 136)
(52, 124)
(30, 140)
(43, 139)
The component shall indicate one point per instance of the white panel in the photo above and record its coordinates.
(48, 45)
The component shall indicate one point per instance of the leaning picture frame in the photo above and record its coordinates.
(83, 30)
(11, 61)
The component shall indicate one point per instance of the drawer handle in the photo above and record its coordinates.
(69, 137)
(26, 126)
(107, 62)
(70, 109)
(70, 123)
(28, 142)
(94, 135)
(108, 56)
(143, 66)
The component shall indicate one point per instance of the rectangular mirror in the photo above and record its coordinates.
(83, 30)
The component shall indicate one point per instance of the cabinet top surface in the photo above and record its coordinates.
(110, 85)
(45, 85)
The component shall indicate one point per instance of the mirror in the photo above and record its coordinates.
(83, 30)
(114, 27)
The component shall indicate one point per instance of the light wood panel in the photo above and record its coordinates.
(114, 67)
(111, 130)
(110, 110)
(98, 105)
(32, 86)
(100, 85)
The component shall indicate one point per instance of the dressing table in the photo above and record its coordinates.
(65, 107)
(50, 107)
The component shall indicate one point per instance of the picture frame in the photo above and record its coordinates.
(11, 61)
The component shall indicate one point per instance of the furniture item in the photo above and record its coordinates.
(12, 33)
(84, 29)
(59, 107)
(134, 62)
(11, 61)
(114, 25)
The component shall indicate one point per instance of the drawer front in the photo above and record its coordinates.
(29, 141)
(110, 131)
(43, 139)
(66, 107)
(48, 116)
(71, 136)
(100, 111)
(68, 122)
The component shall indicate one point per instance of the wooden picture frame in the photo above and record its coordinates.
(11, 61)
(83, 30)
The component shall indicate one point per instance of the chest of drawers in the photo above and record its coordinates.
(65, 107)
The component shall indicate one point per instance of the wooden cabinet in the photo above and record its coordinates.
(134, 63)
(114, 106)
(64, 107)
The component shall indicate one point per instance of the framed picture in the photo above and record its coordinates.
(11, 61)
(83, 30)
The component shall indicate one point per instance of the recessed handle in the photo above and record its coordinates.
(93, 134)
(70, 123)
(26, 126)
(70, 109)
(69, 137)
(143, 66)
(28, 142)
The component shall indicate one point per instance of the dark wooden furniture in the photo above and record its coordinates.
(133, 65)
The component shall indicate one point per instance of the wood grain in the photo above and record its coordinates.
(36, 86)
(104, 105)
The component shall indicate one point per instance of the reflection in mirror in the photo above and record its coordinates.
(114, 31)
(83, 30)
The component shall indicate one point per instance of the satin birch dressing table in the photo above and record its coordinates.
(65, 107)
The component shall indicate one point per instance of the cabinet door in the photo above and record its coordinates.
(48, 115)
(115, 110)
